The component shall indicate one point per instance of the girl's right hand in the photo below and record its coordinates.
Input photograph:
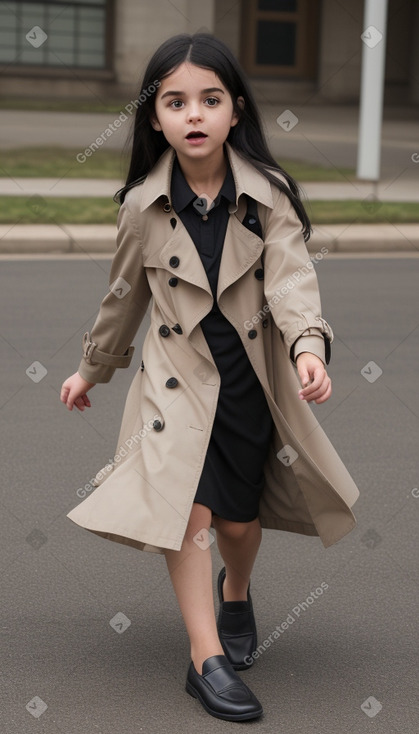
(73, 392)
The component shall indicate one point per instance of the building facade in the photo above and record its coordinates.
(295, 50)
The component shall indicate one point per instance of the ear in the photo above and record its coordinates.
(236, 116)
(155, 123)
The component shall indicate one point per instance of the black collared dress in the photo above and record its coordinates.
(232, 478)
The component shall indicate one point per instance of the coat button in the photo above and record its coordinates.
(259, 274)
(252, 334)
(157, 425)
(173, 282)
(265, 323)
(174, 262)
(164, 330)
(172, 382)
(177, 328)
(167, 207)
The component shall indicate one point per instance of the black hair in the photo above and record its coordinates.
(246, 137)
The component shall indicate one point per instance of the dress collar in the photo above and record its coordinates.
(182, 194)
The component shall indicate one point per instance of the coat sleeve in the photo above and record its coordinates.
(291, 286)
(108, 345)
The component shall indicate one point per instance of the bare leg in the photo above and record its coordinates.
(190, 571)
(238, 543)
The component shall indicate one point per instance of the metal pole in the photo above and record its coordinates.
(372, 89)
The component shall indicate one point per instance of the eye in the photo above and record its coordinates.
(212, 101)
(176, 104)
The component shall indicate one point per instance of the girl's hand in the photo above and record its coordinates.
(316, 383)
(73, 392)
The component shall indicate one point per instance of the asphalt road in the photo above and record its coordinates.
(71, 663)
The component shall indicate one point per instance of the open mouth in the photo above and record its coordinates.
(196, 134)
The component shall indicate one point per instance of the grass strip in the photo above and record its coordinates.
(58, 162)
(50, 210)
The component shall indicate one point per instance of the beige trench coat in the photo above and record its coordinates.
(144, 496)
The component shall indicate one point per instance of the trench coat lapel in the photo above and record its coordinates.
(191, 268)
(242, 249)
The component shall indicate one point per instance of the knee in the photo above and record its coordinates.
(233, 530)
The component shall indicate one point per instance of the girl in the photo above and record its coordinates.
(216, 431)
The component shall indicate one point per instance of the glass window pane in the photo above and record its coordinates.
(94, 61)
(8, 55)
(30, 55)
(100, 3)
(6, 38)
(8, 21)
(90, 44)
(63, 22)
(58, 42)
(56, 58)
(276, 43)
(91, 25)
(32, 8)
(279, 5)
(76, 33)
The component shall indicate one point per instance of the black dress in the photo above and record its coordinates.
(232, 478)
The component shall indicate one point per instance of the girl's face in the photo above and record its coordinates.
(194, 100)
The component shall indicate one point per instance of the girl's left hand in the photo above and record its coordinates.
(316, 383)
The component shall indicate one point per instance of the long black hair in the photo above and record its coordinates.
(246, 137)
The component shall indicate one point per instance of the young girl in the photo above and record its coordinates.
(217, 431)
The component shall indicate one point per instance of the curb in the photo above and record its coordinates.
(101, 238)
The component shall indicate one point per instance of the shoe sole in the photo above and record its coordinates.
(227, 717)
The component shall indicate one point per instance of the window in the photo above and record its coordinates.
(279, 38)
(55, 34)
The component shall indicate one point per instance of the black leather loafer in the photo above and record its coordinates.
(221, 691)
(236, 628)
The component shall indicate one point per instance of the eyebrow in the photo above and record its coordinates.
(181, 94)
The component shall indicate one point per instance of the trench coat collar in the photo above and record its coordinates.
(246, 178)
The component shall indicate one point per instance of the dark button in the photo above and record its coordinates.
(265, 323)
(164, 330)
(252, 334)
(157, 425)
(172, 382)
(177, 328)
(259, 274)
(167, 208)
(173, 282)
(174, 261)
(142, 366)
(173, 222)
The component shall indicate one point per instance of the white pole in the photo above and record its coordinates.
(372, 89)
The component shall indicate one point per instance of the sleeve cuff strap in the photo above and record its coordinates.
(93, 355)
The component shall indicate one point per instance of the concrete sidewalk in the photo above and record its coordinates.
(323, 135)
(101, 238)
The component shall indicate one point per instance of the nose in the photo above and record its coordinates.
(194, 112)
